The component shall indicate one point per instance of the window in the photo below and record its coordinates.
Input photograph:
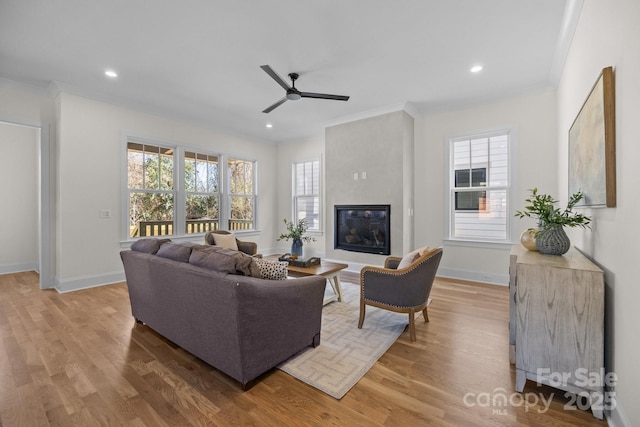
(150, 176)
(306, 193)
(173, 191)
(470, 200)
(479, 187)
(202, 197)
(242, 196)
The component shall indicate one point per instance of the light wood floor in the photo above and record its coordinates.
(79, 359)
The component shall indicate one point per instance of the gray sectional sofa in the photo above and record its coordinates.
(239, 324)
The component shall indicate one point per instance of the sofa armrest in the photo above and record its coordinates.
(249, 248)
(277, 318)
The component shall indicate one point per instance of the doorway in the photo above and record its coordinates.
(25, 218)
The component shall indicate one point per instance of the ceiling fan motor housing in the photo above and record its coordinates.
(293, 94)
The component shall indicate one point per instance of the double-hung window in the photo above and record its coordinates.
(306, 193)
(202, 197)
(479, 187)
(151, 189)
(242, 195)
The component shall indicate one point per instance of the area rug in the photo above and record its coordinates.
(345, 352)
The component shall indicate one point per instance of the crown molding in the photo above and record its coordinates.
(570, 19)
(401, 106)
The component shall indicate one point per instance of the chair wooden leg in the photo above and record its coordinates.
(412, 325)
(362, 312)
(425, 314)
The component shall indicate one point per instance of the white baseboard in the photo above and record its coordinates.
(617, 417)
(17, 268)
(451, 273)
(474, 276)
(70, 285)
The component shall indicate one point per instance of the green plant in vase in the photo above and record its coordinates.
(296, 232)
(550, 237)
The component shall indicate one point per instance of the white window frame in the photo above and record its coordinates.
(294, 193)
(449, 180)
(126, 191)
(184, 193)
(179, 188)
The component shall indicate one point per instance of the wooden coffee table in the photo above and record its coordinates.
(330, 270)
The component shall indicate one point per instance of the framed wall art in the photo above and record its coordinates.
(592, 145)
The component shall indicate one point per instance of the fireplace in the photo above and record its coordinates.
(363, 228)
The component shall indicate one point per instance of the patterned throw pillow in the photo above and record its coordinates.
(272, 270)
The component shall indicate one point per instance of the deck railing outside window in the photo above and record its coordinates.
(165, 228)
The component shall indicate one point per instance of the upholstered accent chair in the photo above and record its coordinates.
(249, 248)
(403, 285)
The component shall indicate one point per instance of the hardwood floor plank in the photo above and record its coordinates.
(80, 359)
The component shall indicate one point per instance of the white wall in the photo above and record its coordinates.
(89, 157)
(608, 34)
(28, 105)
(536, 166)
(19, 146)
(289, 153)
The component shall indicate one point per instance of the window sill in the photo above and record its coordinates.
(478, 244)
(188, 237)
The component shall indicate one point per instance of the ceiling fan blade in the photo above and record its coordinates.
(324, 96)
(275, 105)
(267, 69)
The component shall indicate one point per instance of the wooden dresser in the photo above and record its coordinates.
(556, 322)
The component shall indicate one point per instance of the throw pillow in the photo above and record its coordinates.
(408, 259)
(224, 260)
(272, 270)
(175, 251)
(427, 250)
(226, 241)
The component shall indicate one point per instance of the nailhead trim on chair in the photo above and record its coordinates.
(392, 272)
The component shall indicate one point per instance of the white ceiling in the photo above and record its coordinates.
(199, 59)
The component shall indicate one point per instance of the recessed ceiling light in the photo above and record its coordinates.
(110, 73)
(476, 68)
(269, 125)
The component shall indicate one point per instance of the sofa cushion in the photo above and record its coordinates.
(149, 245)
(175, 251)
(272, 270)
(224, 260)
(226, 241)
(211, 260)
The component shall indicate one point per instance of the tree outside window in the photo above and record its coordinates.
(241, 194)
(151, 189)
(201, 183)
(155, 201)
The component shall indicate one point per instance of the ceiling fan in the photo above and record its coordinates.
(294, 94)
